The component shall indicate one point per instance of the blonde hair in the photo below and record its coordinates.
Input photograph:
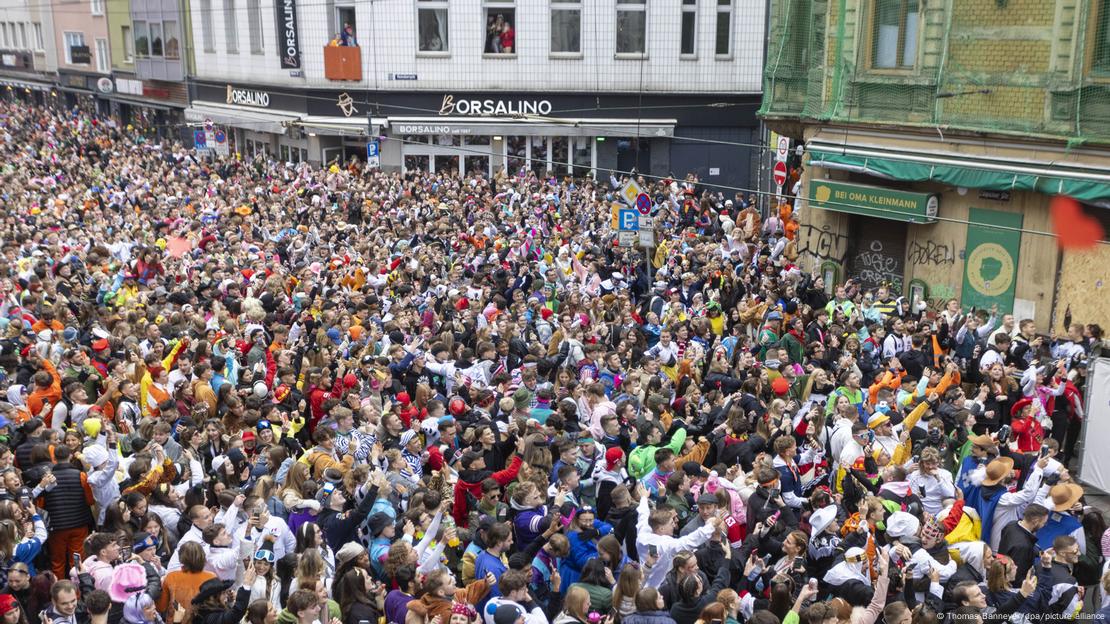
(575, 602)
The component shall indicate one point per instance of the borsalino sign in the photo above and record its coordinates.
(289, 43)
(248, 97)
(495, 108)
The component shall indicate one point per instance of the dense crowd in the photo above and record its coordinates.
(252, 391)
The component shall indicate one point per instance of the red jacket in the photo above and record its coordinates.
(316, 398)
(462, 488)
(1028, 431)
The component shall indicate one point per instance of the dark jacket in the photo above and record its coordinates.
(70, 501)
(232, 615)
(340, 527)
(688, 610)
(650, 617)
(1018, 544)
(361, 612)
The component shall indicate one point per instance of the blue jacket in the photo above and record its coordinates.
(526, 525)
(488, 562)
(581, 551)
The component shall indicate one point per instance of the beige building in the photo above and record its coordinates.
(83, 52)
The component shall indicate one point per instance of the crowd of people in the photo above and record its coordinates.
(253, 391)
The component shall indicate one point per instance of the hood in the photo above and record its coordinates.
(15, 395)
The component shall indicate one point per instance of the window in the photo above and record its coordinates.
(689, 27)
(206, 25)
(37, 29)
(346, 25)
(500, 28)
(724, 28)
(156, 48)
(432, 22)
(231, 31)
(142, 39)
(631, 26)
(566, 27)
(73, 40)
(26, 43)
(254, 25)
(173, 39)
(102, 56)
(894, 35)
(128, 44)
(1101, 61)
(4, 34)
(98, 7)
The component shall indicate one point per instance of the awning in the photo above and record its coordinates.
(336, 126)
(273, 121)
(137, 102)
(26, 84)
(1071, 173)
(531, 126)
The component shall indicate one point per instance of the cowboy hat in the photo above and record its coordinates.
(997, 470)
(1065, 496)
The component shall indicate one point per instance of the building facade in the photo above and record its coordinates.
(28, 57)
(539, 84)
(80, 38)
(935, 137)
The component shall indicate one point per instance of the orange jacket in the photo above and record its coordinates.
(49, 395)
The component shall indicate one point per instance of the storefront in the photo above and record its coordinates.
(563, 134)
(151, 104)
(79, 90)
(950, 219)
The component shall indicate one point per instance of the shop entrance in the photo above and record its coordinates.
(878, 255)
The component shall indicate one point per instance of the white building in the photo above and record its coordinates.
(483, 84)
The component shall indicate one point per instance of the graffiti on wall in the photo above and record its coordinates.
(874, 267)
(931, 253)
(822, 243)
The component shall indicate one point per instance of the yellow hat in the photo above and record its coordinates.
(92, 427)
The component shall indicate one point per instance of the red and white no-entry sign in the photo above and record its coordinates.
(780, 173)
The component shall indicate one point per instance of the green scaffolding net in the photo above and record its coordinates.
(1025, 67)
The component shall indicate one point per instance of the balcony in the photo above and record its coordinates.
(343, 63)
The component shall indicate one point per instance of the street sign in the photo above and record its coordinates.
(629, 220)
(208, 125)
(615, 212)
(780, 173)
(373, 159)
(783, 149)
(643, 203)
(630, 191)
(200, 139)
(647, 238)
(222, 147)
(626, 239)
(646, 222)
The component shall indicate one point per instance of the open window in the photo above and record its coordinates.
(500, 34)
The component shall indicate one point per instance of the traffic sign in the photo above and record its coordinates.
(630, 191)
(643, 203)
(780, 173)
(626, 239)
(629, 220)
(647, 238)
(783, 149)
(208, 125)
(373, 158)
(646, 223)
(200, 139)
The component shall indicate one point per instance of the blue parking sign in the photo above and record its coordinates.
(629, 220)
(371, 149)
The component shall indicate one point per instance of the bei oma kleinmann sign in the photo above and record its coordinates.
(873, 201)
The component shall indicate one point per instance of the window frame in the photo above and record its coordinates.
(1100, 35)
(231, 27)
(128, 43)
(501, 5)
(207, 27)
(24, 40)
(344, 6)
(69, 45)
(166, 40)
(161, 40)
(630, 6)
(728, 8)
(36, 30)
(873, 38)
(103, 61)
(96, 7)
(255, 31)
(135, 34)
(564, 5)
(433, 5)
(688, 7)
